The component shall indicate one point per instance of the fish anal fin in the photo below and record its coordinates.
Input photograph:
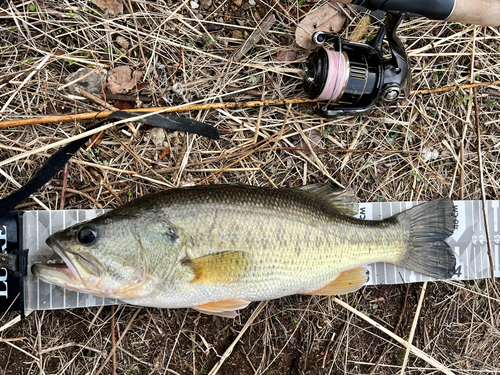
(347, 282)
(226, 308)
(219, 268)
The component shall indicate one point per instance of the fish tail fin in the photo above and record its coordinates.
(430, 224)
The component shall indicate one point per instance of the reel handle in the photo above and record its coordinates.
(478, 12)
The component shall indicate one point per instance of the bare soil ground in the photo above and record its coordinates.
(186, 56)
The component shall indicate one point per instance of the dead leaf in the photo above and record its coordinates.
(286, 56)
(121, 79)
(111, 8)
(327, 18)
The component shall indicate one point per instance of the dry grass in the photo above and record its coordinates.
(41, 43)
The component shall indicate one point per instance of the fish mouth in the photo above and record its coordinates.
(60, 271)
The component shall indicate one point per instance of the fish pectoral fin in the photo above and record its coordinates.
(343, 200)
(347, 282)
(219, 268)
(226, 308)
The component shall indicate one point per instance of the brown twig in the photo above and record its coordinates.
(456, 87)
(345, 150)
(327, 349)
(259, 117)
(129, 98)
(13, 339)
(97, 100)
(419, 353)
(264, 143)
(113, 340)
(413, 327)
(64, 182)
(119, 341)
(481, 182)
(389, 345)
(170, 109)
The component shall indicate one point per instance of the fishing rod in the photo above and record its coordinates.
(477, 12)
(352, 77)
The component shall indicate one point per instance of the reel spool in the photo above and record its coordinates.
(353, 77)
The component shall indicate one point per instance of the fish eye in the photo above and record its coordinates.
(87, 235)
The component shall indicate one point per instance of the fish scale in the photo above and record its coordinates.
(297, 242)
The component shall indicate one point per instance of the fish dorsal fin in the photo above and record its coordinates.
(347, 282)
(226, 308)
(344, 200)
(219, 268)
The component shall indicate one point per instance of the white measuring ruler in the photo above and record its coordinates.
(469, 243)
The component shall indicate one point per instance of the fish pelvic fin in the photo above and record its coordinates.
(219, 268)
(429, 224)
(343, 200)
(347, 282)
(226, 308)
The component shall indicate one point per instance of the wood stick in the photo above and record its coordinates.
(185, 108)
(113, 339)
(13, 339)
(256, 36)
(209, 106)
(119, 340)
(229, 350)
(456, 87)
(326, 350)
(413, 327)
(389, 344)
(481, 182)
(419, 353)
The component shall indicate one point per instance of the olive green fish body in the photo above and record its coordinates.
(293, 242)
(198, 245)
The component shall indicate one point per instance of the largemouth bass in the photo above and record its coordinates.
(217, 248)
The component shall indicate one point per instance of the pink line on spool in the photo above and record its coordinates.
(336, 76)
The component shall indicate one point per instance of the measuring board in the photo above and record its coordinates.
(469, 243)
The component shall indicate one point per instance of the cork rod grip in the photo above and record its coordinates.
(477, 12)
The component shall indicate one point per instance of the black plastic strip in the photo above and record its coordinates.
(166, 121)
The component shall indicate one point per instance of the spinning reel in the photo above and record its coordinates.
(353, 77)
